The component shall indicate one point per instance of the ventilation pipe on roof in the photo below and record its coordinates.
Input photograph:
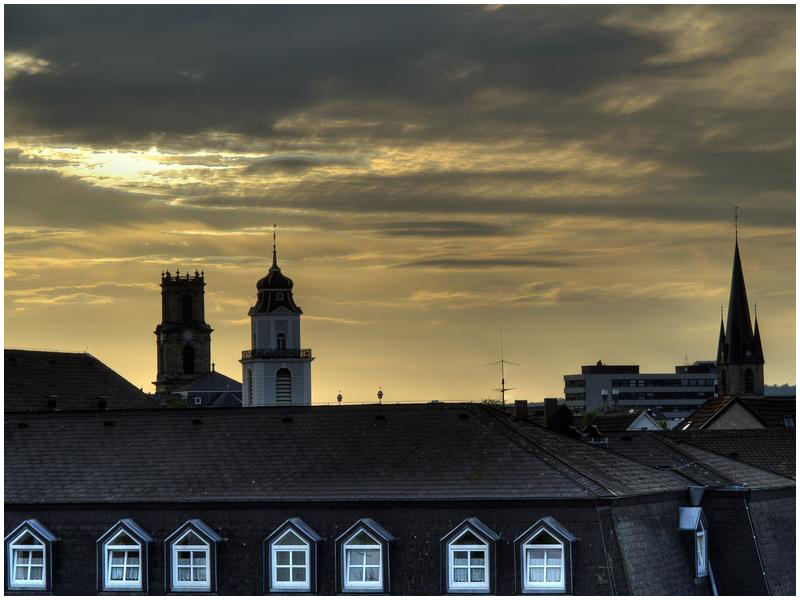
(696, 494)
(521, 408)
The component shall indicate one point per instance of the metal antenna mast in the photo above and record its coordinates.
(502, 362)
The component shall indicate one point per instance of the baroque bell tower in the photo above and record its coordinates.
(183, 338)
(276, 371)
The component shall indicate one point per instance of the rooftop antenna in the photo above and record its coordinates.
(502, 362)
(339, 397)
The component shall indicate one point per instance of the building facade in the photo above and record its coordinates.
(276, 370)
(603, 387)
(183, 338)
(407, 499)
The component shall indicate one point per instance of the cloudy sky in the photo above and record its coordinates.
(567, 174)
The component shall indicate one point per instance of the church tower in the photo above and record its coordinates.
(183, 338)
(276, 371)
(740, 358)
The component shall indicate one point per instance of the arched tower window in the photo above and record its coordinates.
(749, 382)
(186, 306)
(283, 385)
(281, 343)
(188, 360)
(723, 383)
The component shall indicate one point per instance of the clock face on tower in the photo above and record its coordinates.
(187, 336)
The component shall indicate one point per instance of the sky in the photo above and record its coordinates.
(437, 174)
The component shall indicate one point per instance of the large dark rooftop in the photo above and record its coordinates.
(389, 452)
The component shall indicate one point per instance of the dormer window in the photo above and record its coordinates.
(692, 520)
(545, 554)
(544, 563)
(122, 553)
(29, 557)
(191, 557)
(701, 550)
(469, 554)
(364, 551)
(290, 552)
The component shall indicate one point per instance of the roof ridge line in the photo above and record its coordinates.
(674, 446)
(749, 464)
(559, 460)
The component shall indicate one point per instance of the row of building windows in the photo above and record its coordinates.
(290, 554)
(663, 382)
(664, 395)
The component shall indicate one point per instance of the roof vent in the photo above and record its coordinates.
(627, 438)
(287, 419)
(52, 402)
(196, 422)
(380, 417)
(108, 423)
(734, 455)
(102, 403)
(52, 361)
(463, 416)
(22, 425)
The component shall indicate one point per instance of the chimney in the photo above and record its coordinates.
(521, 409)
(550, 407)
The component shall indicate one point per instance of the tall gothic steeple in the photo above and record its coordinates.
(740, 358)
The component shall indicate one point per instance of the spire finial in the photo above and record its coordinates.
(736, 222)
(275, 245)
(721, 318)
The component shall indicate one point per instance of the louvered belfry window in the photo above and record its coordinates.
(283, 385)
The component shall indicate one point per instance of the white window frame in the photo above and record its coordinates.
(467, 586)
(536, 586)
(701, 550)
(275, 547)
(13, 548)
(190, 586)
(362, 585)
(108, 548)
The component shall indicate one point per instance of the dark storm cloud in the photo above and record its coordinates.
(149, 72)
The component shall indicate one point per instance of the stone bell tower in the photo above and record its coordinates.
(183, 338)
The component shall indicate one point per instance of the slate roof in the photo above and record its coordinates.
(770, 449)
(770, 410)
(73, 380)
(669, 452)
(415, 451)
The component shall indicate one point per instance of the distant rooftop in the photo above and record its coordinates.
(46, 380)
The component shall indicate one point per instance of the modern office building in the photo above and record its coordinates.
(613, 387)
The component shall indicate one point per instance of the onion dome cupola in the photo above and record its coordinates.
(275, 289)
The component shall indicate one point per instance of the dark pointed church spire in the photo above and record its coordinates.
(739, 330)
(721, 352)
(758, 352)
